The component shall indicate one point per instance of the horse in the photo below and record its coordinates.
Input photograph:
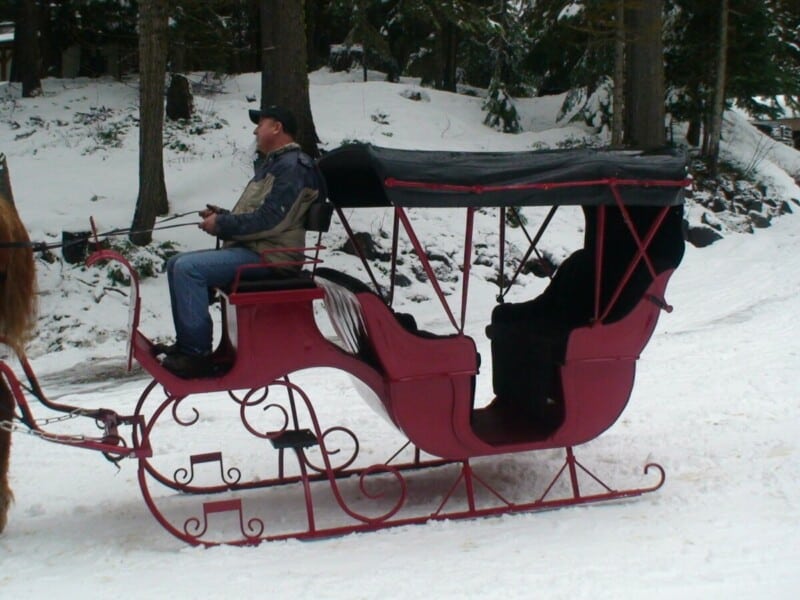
(17, 319)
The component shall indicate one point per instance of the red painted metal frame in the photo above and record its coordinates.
(532, 243)
(461, 494)
(406, 381)
(429, 401)
(359, 251)
(586, 373)
(112, 443)
(391, 182)
(135, 304)
(641, 254)
(303, 262)
(612, 183)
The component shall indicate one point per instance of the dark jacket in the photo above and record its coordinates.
(271, 211)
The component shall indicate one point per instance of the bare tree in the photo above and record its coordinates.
(715, 131)
(284, 76)
(270, 59)
(27, 64)
(152, 198)
(644, 77)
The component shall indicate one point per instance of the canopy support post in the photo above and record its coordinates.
(467, 263)
(359, 252)
(532, 247)
(641, 253)
(598, 259)
(393, 268)
(426, 265)
(501, 282)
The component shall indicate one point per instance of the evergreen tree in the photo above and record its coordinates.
(573, 46)
(571, 43)
(787, 21)
(499, 106)
(787, 25)
(362, 32)
(763, 61)
(216, 35)
(93, 25)
(327, 23)
(430, 38)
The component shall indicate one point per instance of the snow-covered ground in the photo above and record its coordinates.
(715, 401)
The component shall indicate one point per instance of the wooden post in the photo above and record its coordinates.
(180, 104)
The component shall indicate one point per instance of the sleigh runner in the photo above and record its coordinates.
(562, 364)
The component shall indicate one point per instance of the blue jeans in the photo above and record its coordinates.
(190, 274)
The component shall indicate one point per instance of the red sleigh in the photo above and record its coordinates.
(562, 364)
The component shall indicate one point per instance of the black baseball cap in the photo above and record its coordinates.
(283, 115)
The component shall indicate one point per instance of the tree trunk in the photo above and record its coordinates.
(449, 51)
(618, 102)
(152, 198)
(715, 132)
(693, 132)
(284, 78)
(319, 33)
(177, 52)
(644, 78)
(47, 51)
(269, 53)
(26, 66)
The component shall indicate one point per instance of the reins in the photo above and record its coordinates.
(45, 246)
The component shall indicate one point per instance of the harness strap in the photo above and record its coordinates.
(36, 246)
(44, 246)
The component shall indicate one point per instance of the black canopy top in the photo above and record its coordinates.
(362, 175)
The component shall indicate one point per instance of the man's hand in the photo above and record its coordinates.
(209, 210)
(209, 222)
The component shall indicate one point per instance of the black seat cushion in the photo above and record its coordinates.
(270, 280)
(529, 339)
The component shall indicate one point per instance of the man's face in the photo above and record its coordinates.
(266, 133)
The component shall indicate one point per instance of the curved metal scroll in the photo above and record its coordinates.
(135, 306)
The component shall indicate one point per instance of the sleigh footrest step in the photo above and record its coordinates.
(294, 438)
